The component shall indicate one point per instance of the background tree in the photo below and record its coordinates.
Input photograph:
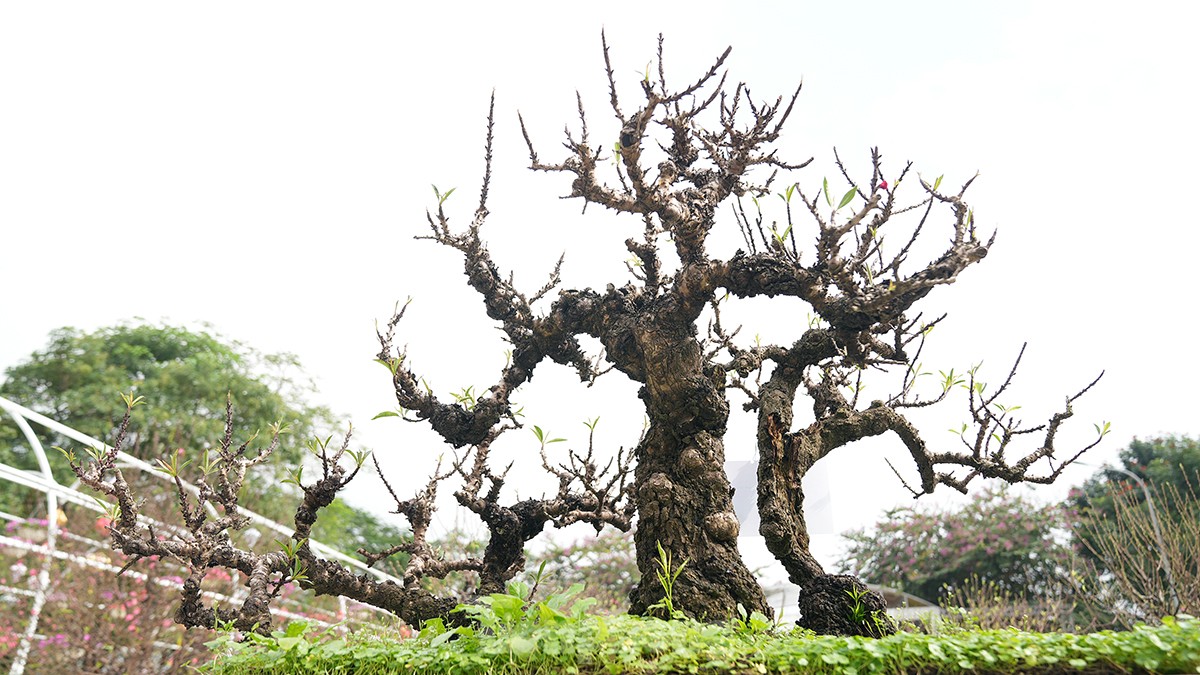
(1143, 563)
(1096, 561)
(1167, 462)
(999, 538)
(185, 375)
(679, 157)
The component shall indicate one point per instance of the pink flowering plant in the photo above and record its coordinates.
(999, 537)
(92, 621)
(97, 622)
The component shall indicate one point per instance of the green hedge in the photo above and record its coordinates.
(588, 644)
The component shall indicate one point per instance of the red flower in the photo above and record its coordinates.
(883, 185)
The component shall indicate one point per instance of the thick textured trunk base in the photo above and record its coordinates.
(838, 604)
(684, 505)
(714, 580)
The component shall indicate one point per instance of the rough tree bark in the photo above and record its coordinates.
(714, 142)
(683, 494)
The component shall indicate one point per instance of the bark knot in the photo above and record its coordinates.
(722, 527)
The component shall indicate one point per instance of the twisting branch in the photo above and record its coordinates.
(587, 493)
(453, 421)
(423, 561)
(684, 212)
(202, 544)
(599, 498)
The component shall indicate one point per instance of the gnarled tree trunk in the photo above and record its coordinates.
(684, 497)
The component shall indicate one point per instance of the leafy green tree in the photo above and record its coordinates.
(1169, 463)
(185, 377)
(1000, 538)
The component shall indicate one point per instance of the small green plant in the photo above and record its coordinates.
(858, 610)
(882, 625)
(442, 196)
(667, 575)
(466, 398)
(876, 622)
(503, 613)
(752, 624)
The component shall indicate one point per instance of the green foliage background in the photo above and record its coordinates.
(1077, 561)
(1169, 463)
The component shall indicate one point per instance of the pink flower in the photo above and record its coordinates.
(219, 574)
(883, 185)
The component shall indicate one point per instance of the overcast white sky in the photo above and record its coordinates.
(263, 167)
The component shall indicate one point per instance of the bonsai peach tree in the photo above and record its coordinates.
(680, 162)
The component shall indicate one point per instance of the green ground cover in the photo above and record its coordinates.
(558, 643)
